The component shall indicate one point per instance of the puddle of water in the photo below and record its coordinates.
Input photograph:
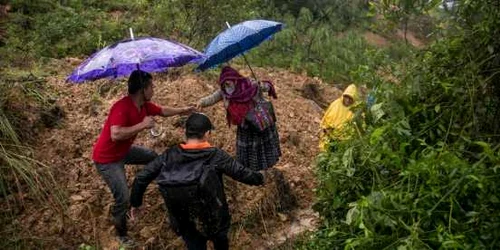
(304, 220)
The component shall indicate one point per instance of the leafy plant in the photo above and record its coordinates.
(423, 170)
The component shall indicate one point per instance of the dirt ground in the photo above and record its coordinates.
(263, 217)
(381, 41)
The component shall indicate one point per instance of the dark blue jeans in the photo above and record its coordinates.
(114, 176)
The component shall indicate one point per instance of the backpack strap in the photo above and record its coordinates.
(209, 160)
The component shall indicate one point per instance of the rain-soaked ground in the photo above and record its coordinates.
(263, 217)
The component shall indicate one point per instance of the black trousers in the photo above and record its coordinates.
(185, 213)
(196, 241)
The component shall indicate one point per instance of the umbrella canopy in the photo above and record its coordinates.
(237, 39)
(147, 53)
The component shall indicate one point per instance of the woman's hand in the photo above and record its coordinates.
(198, 106)
(187, 110)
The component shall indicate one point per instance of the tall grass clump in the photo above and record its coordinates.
(23, 178)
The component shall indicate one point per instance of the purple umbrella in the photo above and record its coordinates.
(147, 53)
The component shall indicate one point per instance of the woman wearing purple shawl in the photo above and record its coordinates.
(255, 149)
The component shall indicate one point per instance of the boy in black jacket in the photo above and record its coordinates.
(189, 177)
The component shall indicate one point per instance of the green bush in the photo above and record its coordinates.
(316, 48)
(422, 170)
(48, 29)
(310, 42)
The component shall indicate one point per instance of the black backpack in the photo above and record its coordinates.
(198, 188)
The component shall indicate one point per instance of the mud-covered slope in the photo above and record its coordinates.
(263, 217)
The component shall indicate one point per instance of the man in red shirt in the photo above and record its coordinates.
(113, 149)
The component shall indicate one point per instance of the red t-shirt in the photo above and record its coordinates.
(124, 113)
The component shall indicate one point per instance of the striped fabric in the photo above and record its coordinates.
(257, 150)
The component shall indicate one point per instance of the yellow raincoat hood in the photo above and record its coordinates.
(337, 115)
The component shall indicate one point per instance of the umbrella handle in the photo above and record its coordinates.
(131, 33)
(248, 64)
(155, 133)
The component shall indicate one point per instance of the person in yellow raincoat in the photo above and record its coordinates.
(336, 116)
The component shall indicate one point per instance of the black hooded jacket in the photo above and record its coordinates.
(183, 166)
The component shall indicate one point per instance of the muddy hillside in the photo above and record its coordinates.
(263, 217)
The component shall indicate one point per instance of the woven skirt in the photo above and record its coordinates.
(257, 150)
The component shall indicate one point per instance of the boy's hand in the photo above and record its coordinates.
(265, 177)
(135, 213)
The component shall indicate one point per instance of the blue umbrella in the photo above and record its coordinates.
(236, 40)
(147, 53)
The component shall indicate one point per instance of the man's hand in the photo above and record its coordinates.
(148, 122)
(188, 110)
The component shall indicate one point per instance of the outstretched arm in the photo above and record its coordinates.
(237, 171)
(143, 178)
(165, 111)
(169, 111)
(210, 100)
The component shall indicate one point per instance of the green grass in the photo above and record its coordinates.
(22, 176)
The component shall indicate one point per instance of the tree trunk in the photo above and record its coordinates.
(405, 29)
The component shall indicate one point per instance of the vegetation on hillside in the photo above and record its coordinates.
(421, 168)
(35, 36)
